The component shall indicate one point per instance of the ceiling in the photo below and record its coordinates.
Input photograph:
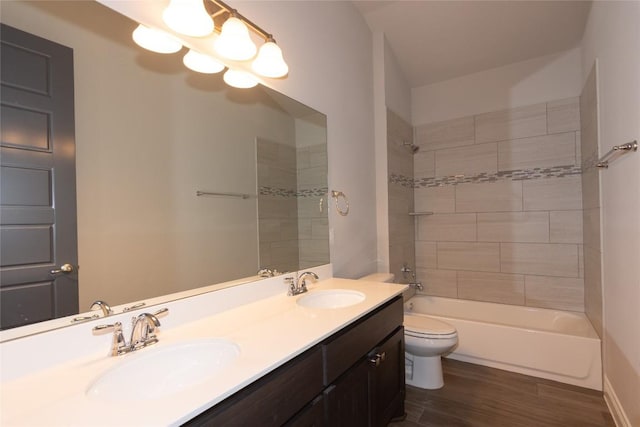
(440, 40)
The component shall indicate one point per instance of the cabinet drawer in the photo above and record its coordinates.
(271, 400)
(346, 348)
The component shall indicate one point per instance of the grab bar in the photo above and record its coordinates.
(624, 148)
(237, 195)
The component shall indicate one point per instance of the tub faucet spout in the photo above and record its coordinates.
(417, 285)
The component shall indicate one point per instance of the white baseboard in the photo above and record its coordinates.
(616, 409)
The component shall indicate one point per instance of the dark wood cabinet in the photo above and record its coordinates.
(386, 380)
(311, 416)
(347, 401)
(353, 378)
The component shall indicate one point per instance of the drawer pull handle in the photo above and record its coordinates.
(377, 359)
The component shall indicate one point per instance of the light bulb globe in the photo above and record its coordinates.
(202, 63)
(188, 17)
(269, 62)
(155, 40)
(234, 41)
(240, 79)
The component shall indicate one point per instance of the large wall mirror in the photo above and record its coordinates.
(150, 134)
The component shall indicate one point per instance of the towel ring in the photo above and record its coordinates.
(336, 196)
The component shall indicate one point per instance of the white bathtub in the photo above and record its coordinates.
(557, 345)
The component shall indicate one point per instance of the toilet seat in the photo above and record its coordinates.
(427, 327)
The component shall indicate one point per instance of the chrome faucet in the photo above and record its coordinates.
(102, 305)
(299, 286)
(417, 285)
(412, 283)
(143, 333)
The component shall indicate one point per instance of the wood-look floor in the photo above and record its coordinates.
(478, 396)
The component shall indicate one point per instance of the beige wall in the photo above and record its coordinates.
(505, 190)
(591, 202)
(529, 82)
(612, 35)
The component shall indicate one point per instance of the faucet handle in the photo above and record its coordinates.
(291, 285)
(118, 344)
(161, 312)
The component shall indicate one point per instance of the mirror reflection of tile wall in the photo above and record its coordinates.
(277, 206)
(313, 221)
(293, 224)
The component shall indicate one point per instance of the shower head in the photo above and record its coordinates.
(413, 148)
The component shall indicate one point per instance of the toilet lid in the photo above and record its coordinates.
(427, 327)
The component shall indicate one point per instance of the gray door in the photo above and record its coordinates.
(37, 180)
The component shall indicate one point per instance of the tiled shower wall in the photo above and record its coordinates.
(505, 189)
(401, 225)
(591, 202)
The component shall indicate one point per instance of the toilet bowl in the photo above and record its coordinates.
(425, 341)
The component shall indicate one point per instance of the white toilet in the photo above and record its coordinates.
(425, 340)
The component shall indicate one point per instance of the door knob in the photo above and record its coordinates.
(64, 268)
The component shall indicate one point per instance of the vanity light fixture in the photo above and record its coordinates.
(240, 79)
(188, 17)
(155, 40)
(202, 63)
(199, 18)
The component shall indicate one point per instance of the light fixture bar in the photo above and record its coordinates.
(255, 27)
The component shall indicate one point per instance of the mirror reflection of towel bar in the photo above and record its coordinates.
(236, 195)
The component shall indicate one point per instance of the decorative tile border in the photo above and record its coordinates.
(283, 192)
(513, 175)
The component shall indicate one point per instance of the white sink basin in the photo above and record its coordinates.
(331, 298)
(153, 373)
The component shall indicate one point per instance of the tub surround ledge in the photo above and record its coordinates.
(269, 332)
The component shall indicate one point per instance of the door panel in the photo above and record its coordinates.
(30, 63)
(37, 179)
(24, 186)
(26, 304)
(25, 128)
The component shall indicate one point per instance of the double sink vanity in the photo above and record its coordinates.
(246, 355)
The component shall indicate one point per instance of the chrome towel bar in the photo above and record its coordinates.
(238, 195)
(624, 148)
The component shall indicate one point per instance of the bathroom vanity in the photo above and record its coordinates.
(353, 378)
(287, 363)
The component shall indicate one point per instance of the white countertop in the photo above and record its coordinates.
(268, 332)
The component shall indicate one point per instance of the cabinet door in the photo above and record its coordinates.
(311, 416)
(386, 379)
(273, 399)
(347, 400)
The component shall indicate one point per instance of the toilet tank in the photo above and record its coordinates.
(379, 277)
